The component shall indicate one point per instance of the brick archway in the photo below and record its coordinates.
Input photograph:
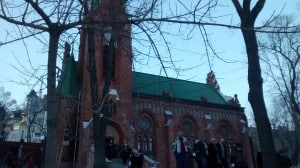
(112, 133)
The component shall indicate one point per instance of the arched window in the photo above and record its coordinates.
(187, 128)
(225, 131)
(145, 135)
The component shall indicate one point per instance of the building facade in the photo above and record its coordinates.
(147, 110)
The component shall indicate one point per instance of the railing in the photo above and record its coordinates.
(149, 163)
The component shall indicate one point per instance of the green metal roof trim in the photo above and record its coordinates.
(182, 89)
(68, 83)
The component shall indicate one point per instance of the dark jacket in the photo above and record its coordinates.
(200, 150)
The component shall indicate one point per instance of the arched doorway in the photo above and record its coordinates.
(112, 134)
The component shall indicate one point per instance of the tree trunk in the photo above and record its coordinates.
(248, 14)
(295, 156)
(256, 99)
(296, 119)
(28, 137)
(99, 153)
(50, 156)
(100, 123)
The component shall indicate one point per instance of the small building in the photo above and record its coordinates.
(30, 124)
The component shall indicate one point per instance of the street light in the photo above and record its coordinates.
(107, 34)
(112, 92)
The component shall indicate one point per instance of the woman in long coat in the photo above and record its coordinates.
(213, 161)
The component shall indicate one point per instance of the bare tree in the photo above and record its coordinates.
(6, 99)
(3, 122)
(99, 109)
(282, 59)
(53, 18)
(284, 135)
(35, 115)
(248, 16)
(36, 17)
(7, 104)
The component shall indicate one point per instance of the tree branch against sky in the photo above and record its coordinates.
(57, 18)
(248, 15)
(281, 55)
(53, 18)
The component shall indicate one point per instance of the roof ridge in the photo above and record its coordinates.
(178, 88)
(175, 79)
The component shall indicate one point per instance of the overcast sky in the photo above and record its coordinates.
(232, 77)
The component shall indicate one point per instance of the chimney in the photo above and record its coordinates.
(211, 80)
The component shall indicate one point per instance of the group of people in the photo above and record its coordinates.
(215, 154)
(131, 158)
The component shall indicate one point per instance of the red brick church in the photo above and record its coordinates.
(148, 110)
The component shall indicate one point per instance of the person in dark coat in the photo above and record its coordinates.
(137, 159)
(110, 150)
(259, 160)
(189, 156)
(284, 161)
(240, 158)
(125, 153)
(200, 152)
(222, 151)
(213, 160)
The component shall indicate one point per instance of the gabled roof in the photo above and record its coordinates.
(145, 84)
(155, 85)
(68, 83)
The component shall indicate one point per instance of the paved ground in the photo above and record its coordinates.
(117, 163)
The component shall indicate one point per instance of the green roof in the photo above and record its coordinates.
(155, 85)
(68, 83)
(147, 84)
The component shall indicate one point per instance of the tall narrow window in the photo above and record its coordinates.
(150, 144)
(112, 106)
(139, 143)
(105, 61)
(145, 143)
